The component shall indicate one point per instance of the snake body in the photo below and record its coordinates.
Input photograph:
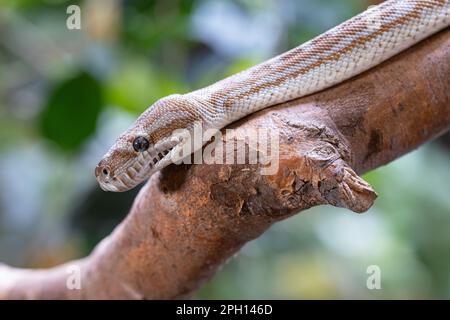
(347, 50)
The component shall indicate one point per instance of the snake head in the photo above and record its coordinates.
(143, 149)
(131, 160)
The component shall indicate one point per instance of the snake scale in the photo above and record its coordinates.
(347, 50)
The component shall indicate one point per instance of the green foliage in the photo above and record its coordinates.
(136, 85)
(70, 115)
(39, 4)
(241, 65)
(150, 25)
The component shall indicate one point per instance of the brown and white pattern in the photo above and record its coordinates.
(339, 54)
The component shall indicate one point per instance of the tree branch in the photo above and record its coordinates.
(188, 220)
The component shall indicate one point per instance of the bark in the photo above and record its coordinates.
(189, 219)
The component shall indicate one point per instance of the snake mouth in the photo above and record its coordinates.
(137, 170)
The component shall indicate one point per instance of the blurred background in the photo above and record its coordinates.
(65, 95)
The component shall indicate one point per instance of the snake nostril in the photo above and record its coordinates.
(102, 171)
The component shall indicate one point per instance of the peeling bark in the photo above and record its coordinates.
(188, 220)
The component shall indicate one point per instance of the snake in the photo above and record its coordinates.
(347, 50)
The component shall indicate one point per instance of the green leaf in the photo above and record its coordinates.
(70, 115)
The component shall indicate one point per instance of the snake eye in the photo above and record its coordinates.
(141, 144)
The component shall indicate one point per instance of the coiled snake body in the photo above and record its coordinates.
(355, 46)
